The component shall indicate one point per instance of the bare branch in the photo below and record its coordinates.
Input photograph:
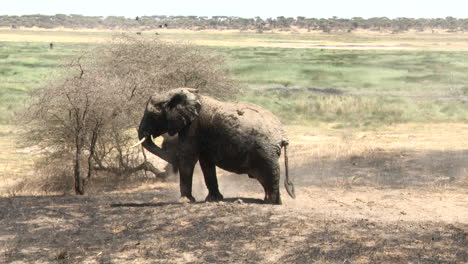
(81, 67)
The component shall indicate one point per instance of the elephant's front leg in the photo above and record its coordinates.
(186, 176)
(209, 172)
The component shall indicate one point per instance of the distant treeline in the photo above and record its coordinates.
(258, 24)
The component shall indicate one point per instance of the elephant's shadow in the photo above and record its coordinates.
(161, 204)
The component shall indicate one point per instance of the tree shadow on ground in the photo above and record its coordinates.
(401, 168)
(377, 243)
(122, 228)
(161, 204)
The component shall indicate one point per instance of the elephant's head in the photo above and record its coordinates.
(168, 112)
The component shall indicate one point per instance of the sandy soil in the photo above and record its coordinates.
(364, 197)
(324, 225)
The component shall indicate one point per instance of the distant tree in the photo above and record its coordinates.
(464, 24)
(324, 25)
(403, 24)
(356, 22)
(451, 24)
(229, 22)
(259, 25)
(282, 22)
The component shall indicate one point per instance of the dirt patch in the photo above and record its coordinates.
(150, 227)
(397, 195)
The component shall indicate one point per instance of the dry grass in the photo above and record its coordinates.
(432, 155)
(33, 37)
(406, 155)
(322, 142)
(231, 38)
(15, 162)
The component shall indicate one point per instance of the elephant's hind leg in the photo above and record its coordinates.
(269, 179)
(209, 172)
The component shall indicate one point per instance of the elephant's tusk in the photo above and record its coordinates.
(139, 142)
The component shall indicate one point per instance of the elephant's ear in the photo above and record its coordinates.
(182, 108)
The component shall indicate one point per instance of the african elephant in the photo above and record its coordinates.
(237, 137)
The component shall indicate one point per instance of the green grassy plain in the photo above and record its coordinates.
(357, 88)
(376, 86)
(380, 71)
(370, 86)
(25, 66)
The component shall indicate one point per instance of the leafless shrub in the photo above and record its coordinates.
(154, 65)
(85, 118)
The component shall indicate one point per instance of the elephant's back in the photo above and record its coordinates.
(244, 123)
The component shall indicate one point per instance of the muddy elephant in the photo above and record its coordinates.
(238, 137)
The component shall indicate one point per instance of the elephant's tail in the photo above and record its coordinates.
(287, 183)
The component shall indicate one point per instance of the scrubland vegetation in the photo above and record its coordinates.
(342, 88)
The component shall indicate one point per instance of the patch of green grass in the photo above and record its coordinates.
(376, 71)
(419, 40)
(357, 111)
(25, 66)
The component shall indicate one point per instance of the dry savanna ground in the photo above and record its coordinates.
(393, 194)
(359, 40)
(398, 194)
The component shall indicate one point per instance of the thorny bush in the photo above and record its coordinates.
(92, 108)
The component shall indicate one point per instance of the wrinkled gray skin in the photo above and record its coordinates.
(170, 145)
(237, 137)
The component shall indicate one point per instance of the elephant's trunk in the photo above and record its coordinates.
(145, 135)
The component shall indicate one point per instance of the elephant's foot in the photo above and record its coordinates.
(214, 197)
(187, 199)
(273, 198)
